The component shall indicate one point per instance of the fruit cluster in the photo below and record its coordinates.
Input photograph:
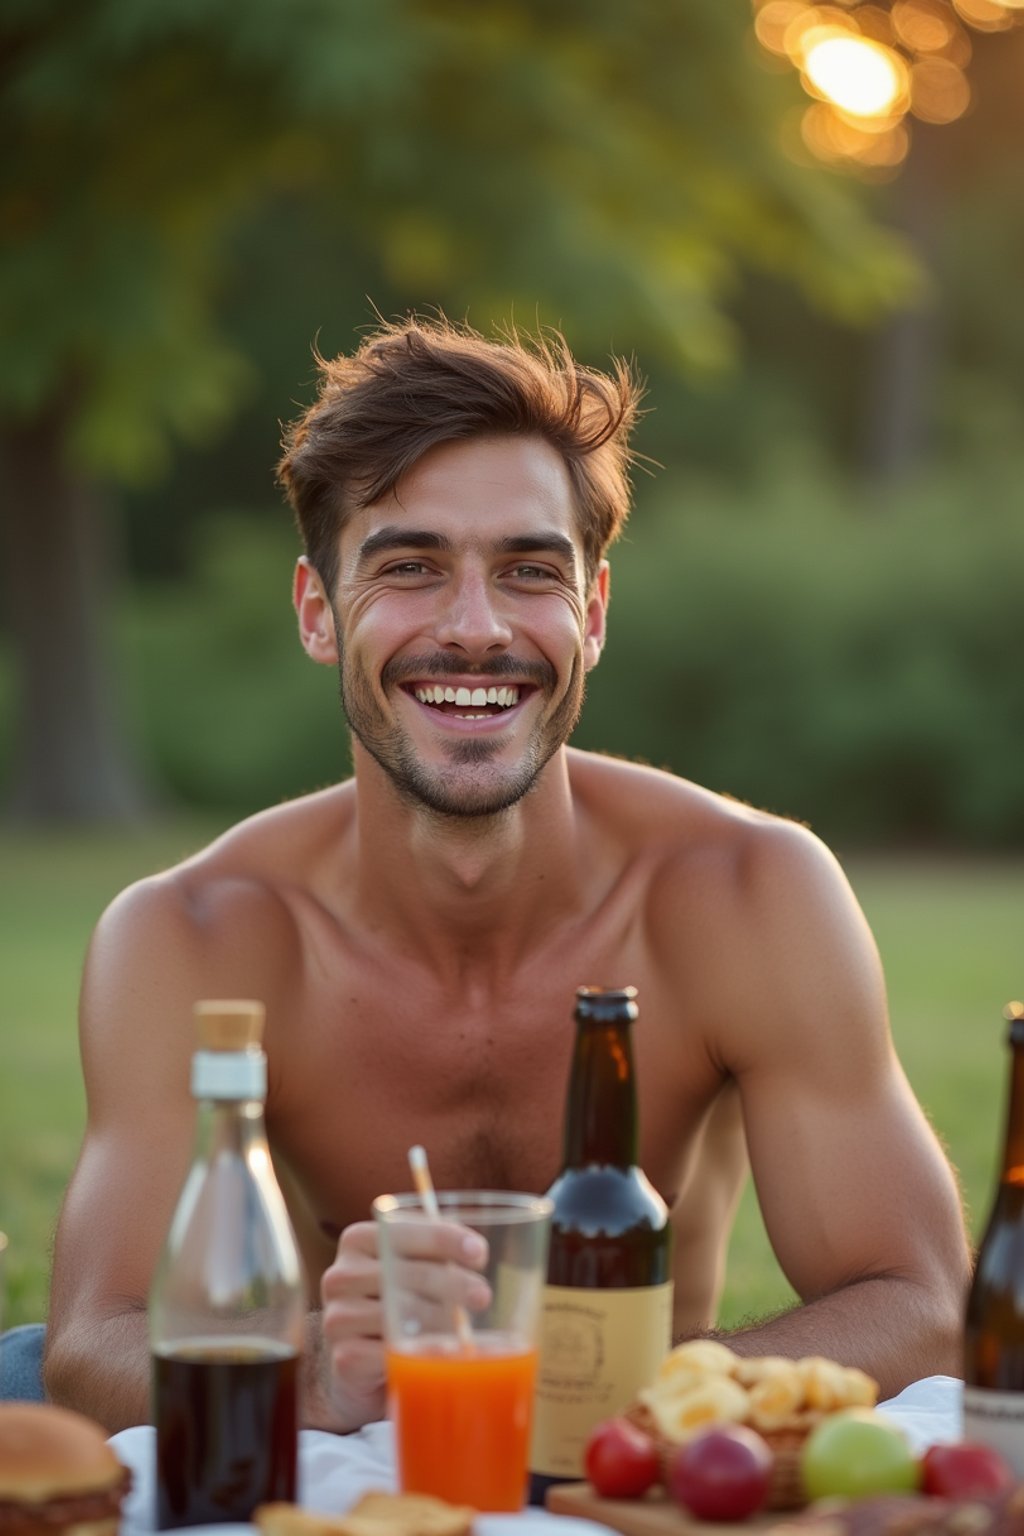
(721, 1460)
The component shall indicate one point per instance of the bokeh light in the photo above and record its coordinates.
(862, 77)
(939, 91)
(872, 67)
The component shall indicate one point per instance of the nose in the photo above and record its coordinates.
(472, 615)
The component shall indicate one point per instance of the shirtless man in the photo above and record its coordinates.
(417, 932)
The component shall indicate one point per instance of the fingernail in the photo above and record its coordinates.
(474, 1249)
(478, 1295)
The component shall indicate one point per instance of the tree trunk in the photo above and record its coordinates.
(906, 356)
(70, 760)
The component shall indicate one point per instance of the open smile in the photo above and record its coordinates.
(459, 702)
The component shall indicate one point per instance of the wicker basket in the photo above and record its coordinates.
(786, 1490)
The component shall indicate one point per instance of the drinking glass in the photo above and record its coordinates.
(461, 1381)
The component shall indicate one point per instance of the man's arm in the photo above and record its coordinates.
(160, 947)
(859, 1203)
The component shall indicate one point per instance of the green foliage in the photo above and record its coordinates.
(831, 655)
(230, 711)
(594, 159)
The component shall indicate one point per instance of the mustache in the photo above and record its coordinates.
(440, 664)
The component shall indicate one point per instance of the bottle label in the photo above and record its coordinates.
(996, 1419)
(597, 1349)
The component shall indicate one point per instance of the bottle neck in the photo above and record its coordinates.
(601, 1121)
(1013, 1150)
(230, 1125)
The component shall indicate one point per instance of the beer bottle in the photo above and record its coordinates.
(227, 1305)
(607, 1317)
(994, 1328)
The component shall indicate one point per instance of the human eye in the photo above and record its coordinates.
(531, 573)
(407, 569)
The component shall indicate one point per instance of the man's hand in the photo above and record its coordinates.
(434, 1263)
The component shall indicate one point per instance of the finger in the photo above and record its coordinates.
(352, 1275)
(352, 1319)
(442, 1241)
(360, 1237)
(447, 1284)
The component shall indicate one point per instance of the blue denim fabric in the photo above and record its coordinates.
(21, 1364)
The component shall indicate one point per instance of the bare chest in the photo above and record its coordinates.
(368, 1064)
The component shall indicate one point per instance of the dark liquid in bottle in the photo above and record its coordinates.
(994, 1331)
(609, 1229)
(227, 1431)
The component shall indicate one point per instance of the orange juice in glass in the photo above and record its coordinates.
(462, 1342)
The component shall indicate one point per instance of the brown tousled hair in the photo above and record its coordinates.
(415, 384)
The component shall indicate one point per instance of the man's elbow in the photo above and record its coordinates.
(62, 1370)
(943, 1306)
(68, 1370)
(103, 1373)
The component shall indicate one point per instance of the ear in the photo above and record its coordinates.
(314, 613)
(597, 613)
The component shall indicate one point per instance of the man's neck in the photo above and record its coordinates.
(448, 886)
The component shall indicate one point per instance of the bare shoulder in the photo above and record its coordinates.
(754, 907)
(226, 921)
(681, 824)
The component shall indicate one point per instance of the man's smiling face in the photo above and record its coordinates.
(463, 625)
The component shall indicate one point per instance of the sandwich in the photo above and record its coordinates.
(58, 1475)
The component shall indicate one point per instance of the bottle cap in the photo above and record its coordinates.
(229, 1063)
(606, 1005)
(229, 1024)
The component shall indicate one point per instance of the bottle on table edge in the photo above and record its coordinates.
(607, 1317)
(993, 1365)
(227, 1304)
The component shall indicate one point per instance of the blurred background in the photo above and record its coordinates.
(804, 223)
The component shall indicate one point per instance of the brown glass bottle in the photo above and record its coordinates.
(608, 1302)
(994, 1327)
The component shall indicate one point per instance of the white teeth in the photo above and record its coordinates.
(436, 693)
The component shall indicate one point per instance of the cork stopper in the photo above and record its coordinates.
(231, 1024)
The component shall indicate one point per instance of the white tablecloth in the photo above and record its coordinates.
(334, 1470)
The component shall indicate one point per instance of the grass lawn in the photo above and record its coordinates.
(949, 932)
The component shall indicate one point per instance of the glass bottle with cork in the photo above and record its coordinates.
(227, 1305)
(994, 1325)
(607, 1320)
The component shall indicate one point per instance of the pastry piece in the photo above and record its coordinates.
(713, 1400)
(375, 1514)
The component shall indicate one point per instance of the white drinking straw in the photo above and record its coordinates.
(420, 1170)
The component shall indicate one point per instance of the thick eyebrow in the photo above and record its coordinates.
(400, 538)
(539, 544)
(420, 538)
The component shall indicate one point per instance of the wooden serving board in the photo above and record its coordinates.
(655, 1515)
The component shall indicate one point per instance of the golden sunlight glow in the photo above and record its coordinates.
(939, 92)
(773, 20)
(858, 75)
(925, 26)
(836, 139)
(985, 15)
(871, 65)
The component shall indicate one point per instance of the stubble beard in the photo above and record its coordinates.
(457, 791)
